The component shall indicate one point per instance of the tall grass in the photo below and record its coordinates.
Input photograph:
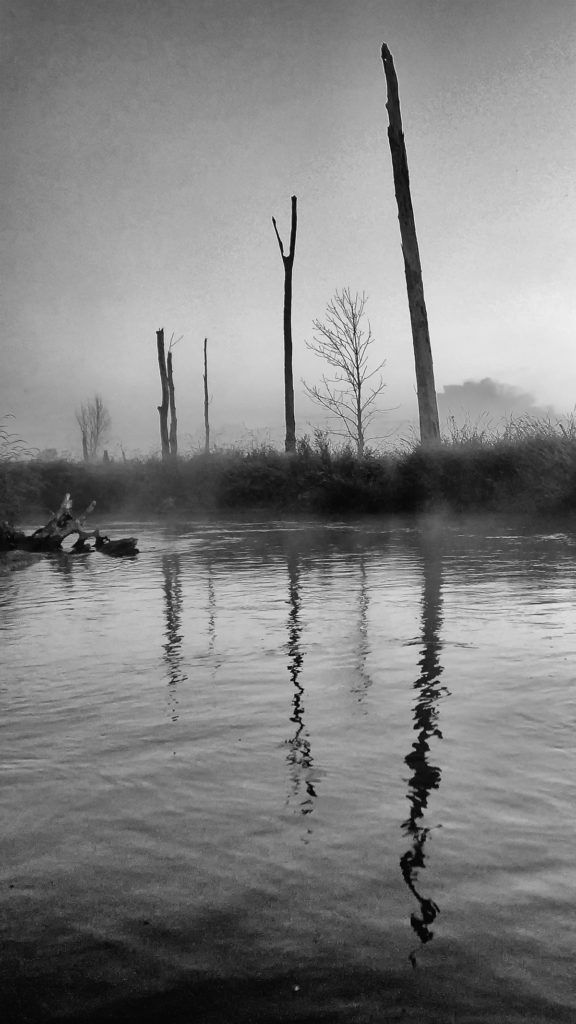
(528, 465)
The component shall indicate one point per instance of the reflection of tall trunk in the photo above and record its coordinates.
(425, 776)
(364, 681)
(300, 754)
(172, 588)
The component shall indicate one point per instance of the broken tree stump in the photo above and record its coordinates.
(49, 537)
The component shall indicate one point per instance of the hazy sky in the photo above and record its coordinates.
(147, 143)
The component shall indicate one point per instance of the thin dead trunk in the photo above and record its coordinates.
(427, 404)
(173, 437)
(163, 409)
(206, 402)
(288, 261)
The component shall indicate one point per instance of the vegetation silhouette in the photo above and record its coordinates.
(528, 467)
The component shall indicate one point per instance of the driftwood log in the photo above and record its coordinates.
(49, 537)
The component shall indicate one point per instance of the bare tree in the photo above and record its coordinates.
(94, 421)
(288, 261)
(344, 343)
(427, 404)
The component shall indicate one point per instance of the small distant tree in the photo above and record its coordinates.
(343, 341)
(94, 421)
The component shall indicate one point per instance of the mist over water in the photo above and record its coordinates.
(291, 772)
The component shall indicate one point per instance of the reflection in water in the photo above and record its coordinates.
(299, 757)
(364, 682)
(172, 588)
(66, 564)
(425, 776)
(211, 612)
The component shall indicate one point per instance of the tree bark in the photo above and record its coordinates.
(427, 404)
(288, 261)
(173, 437)
(163, 409)
(206, 419)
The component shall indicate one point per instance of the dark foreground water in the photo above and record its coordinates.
(291, 773)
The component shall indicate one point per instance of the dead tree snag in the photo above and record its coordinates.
(288, 261)
(163, 408)
(427, 404)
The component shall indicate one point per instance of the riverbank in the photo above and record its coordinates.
(532, 473)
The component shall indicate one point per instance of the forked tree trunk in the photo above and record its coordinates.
(163, 408)
(288, 261)
(427, 404)
(206, 401)
(173, 436)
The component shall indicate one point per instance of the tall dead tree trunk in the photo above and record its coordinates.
(206, 401)
(173, 436)
(163, 409)
(427, 404)
(288, 261)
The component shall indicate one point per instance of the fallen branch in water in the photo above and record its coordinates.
(49, 537)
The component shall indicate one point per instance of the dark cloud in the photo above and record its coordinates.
(487, 401)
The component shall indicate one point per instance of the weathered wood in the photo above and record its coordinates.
(288, 261)
(206, 401)
(427, 403)
(49, 537)
(173, 436)
(163, 408)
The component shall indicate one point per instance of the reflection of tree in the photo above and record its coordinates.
(425, 776)
(172, 588)
(299, 756)
(211, 612)
(363, 649)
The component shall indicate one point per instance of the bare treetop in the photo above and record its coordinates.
(343, 342)
(94, 421)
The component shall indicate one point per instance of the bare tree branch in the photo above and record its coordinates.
(278, 237)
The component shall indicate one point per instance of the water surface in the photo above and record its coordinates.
(305, 772)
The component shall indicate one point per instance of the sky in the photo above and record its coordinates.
(148, 143)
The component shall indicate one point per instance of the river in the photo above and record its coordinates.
(291, 772)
